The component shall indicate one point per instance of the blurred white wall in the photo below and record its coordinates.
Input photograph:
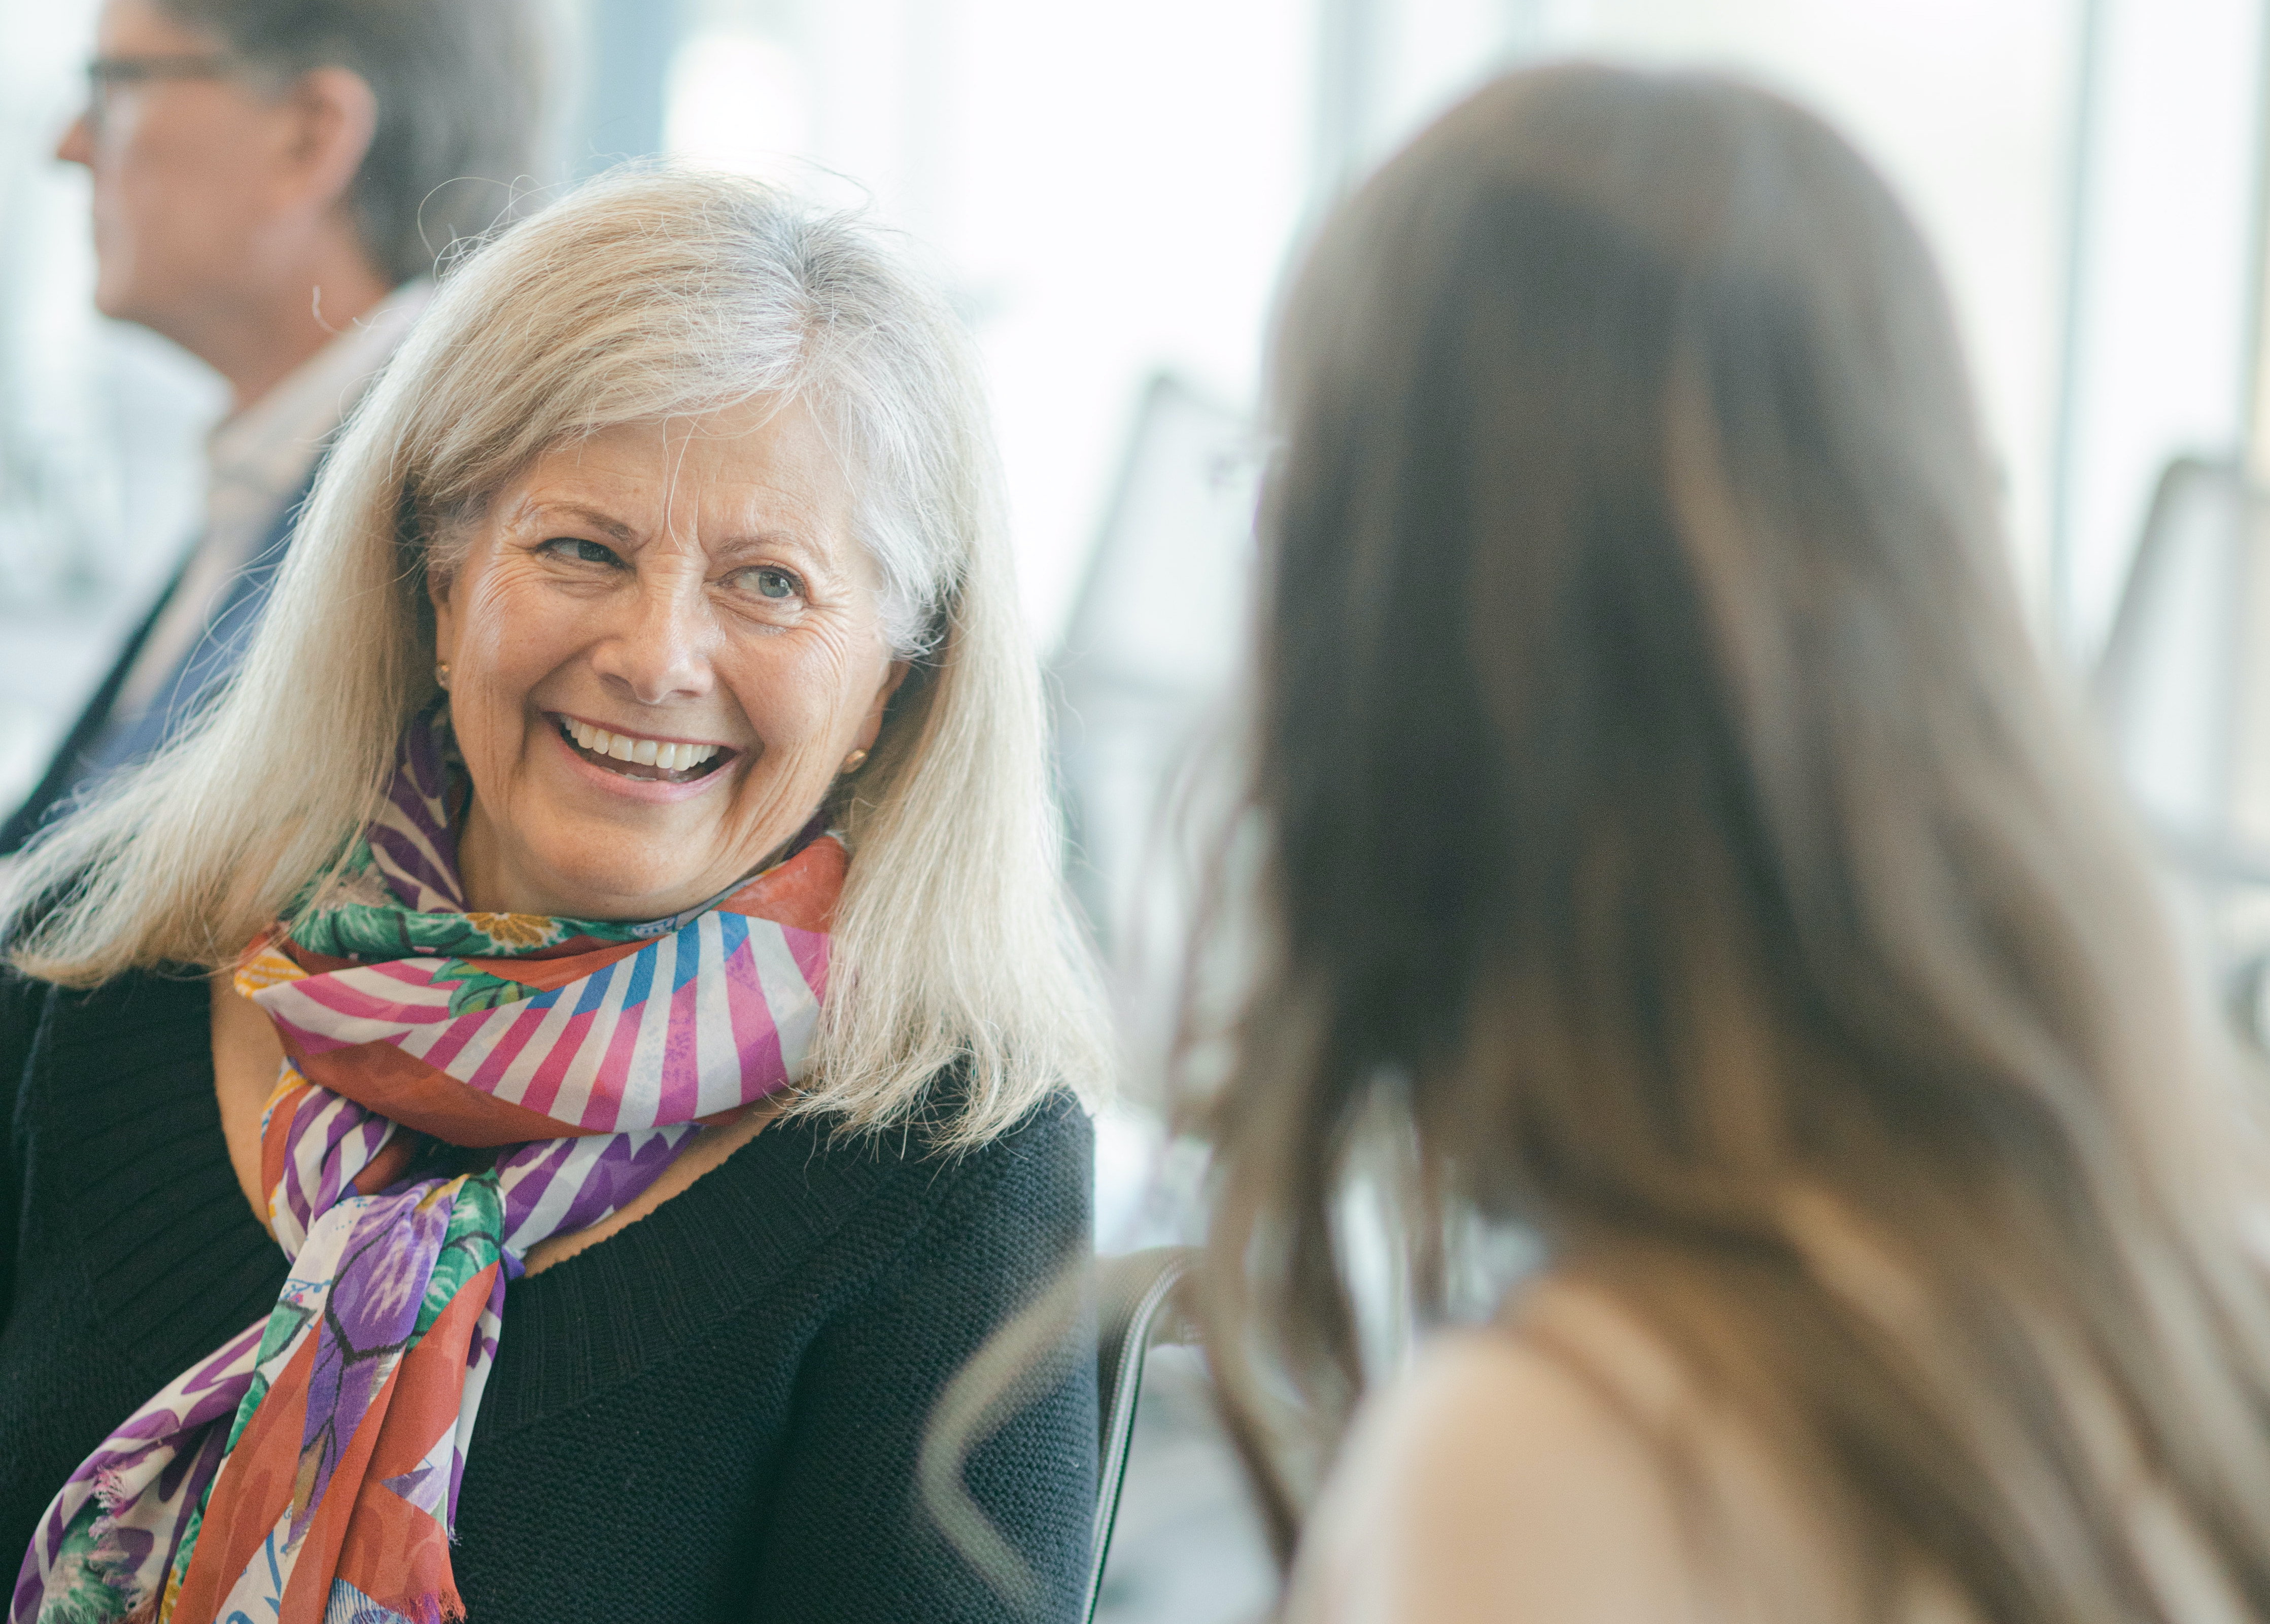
(2167, 275)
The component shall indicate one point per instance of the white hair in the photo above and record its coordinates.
(646, 294)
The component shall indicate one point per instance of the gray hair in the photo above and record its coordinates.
(648, 294)
(461, 87)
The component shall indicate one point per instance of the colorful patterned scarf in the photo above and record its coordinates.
(308, 1472)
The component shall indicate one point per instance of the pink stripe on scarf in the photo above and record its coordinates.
(543, 1085)
(680, 1098)
(523, 1025)
(602, 1108)
(756, 1036)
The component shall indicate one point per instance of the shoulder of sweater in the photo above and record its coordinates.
(1053, 1140)
(811, 1177)
(1049, 1119)
(21, 999)
(986, 1215)
(143, 1016)
(129, 1012)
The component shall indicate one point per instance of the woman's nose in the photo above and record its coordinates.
(659, 652)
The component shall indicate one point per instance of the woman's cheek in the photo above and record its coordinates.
(526, 631)
(792, 705)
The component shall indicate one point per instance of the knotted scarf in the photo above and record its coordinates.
(308, 1471)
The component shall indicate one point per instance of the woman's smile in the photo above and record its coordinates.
(641, 758)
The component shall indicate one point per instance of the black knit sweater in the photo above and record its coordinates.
(714, 1413)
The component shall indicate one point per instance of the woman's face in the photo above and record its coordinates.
(688, 596)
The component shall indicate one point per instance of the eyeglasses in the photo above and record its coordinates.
(106, 75)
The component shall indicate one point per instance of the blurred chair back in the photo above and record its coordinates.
(2183, 689)
(1156, 637)
(1143, 685)
(1134, 1310)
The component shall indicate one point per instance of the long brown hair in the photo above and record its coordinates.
(1672, 834)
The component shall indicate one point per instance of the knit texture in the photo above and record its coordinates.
(713, 1415)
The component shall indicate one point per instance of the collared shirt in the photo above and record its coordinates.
(256, 461)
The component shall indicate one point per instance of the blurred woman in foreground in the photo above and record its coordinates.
(1677, 846)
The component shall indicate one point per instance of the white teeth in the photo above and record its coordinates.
(640, 752)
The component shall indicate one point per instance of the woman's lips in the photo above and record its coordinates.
(638, 749)
(637, 758)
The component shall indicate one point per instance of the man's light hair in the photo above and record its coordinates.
(646, 295)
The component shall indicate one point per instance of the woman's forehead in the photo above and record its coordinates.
(711, 479)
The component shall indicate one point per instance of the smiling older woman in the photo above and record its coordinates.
(633, 804)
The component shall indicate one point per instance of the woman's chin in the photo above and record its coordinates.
(559, 849)
(563, 855)
(601, 884)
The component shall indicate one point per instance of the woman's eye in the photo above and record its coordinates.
(580, 550)
(767, 583)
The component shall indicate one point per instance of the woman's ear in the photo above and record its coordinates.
(445, 618)
(873, 725)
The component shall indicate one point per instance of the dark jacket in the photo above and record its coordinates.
(712, 1414)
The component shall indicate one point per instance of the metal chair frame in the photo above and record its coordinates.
(1134, 1311)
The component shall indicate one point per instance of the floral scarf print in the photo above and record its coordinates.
(306, 1472)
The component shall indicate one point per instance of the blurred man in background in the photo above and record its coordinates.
(273, 183)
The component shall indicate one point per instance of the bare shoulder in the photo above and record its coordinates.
(1496, 1482)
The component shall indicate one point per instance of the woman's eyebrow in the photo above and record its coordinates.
(805, 551)
(769, 536)
(597, 519)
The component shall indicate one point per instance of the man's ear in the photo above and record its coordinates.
(335, 115)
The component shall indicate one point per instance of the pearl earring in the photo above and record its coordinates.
(853, 763)
(441, 674)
